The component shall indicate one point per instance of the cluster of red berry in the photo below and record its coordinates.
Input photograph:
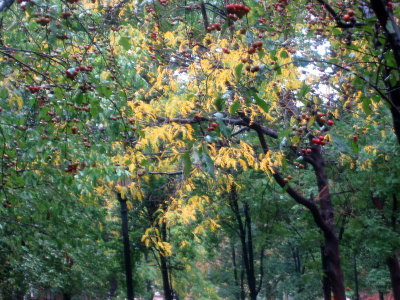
(350, 16)
(212, 127)
(34, 89)
(64, 36)
(215, 26)
(319, 141)
(255, 46)
(73, 72)
(237, 11)
(43, 20)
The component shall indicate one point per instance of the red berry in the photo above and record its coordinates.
(330, 122)
(321, 137)
(355, 138)
(309, 151)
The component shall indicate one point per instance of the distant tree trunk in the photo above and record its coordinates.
(149, 289)
(381, 296)
(127, 251)
(393, 261)
(235, 272)
(356, 276)
(247, 246)
(66, 296)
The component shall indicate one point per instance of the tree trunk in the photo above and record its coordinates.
(331, 251)
(381, 296)
(323, 215)
(127, 251)
(356, 276)
(394, 269)
(168, 292)
(66, 296)
(246, 249)
(385, 17)
(251, 275)
(242, 292)
(326, 285)
(235, 272)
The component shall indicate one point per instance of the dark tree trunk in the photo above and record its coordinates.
(127, 251)
(66, 296)
(356, 276)
(242, 292)
(251, 275)
(394, 269)
(247, 251)
(381, 296)
(149, 290)
(331, 251)
(326, 285)
(235, 272)
(385, 17)
(323, 215)
(168, 291)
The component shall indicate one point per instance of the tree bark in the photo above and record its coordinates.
(251, 276)
(246, 249)
(323, 215)
(326, 285)
(356, 276)
(127, 251)
(66, 296)
(394, 269)
(168, 292)
(331, 251)
(392, 32)
(235, 272)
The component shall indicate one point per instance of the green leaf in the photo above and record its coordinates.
(187, 163)
(295, 140)
(389, 27)
(234, 107)
(354, 147)
(125, 42)
(303, 91)
(225, 27)
(3, 93)
(78, 99)
(311, 122)
(208, 164)
(238, 71)
(284, 54)
(219, 103)
(260, 102)
(365, 105)
(284, 133)
(223, 128)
